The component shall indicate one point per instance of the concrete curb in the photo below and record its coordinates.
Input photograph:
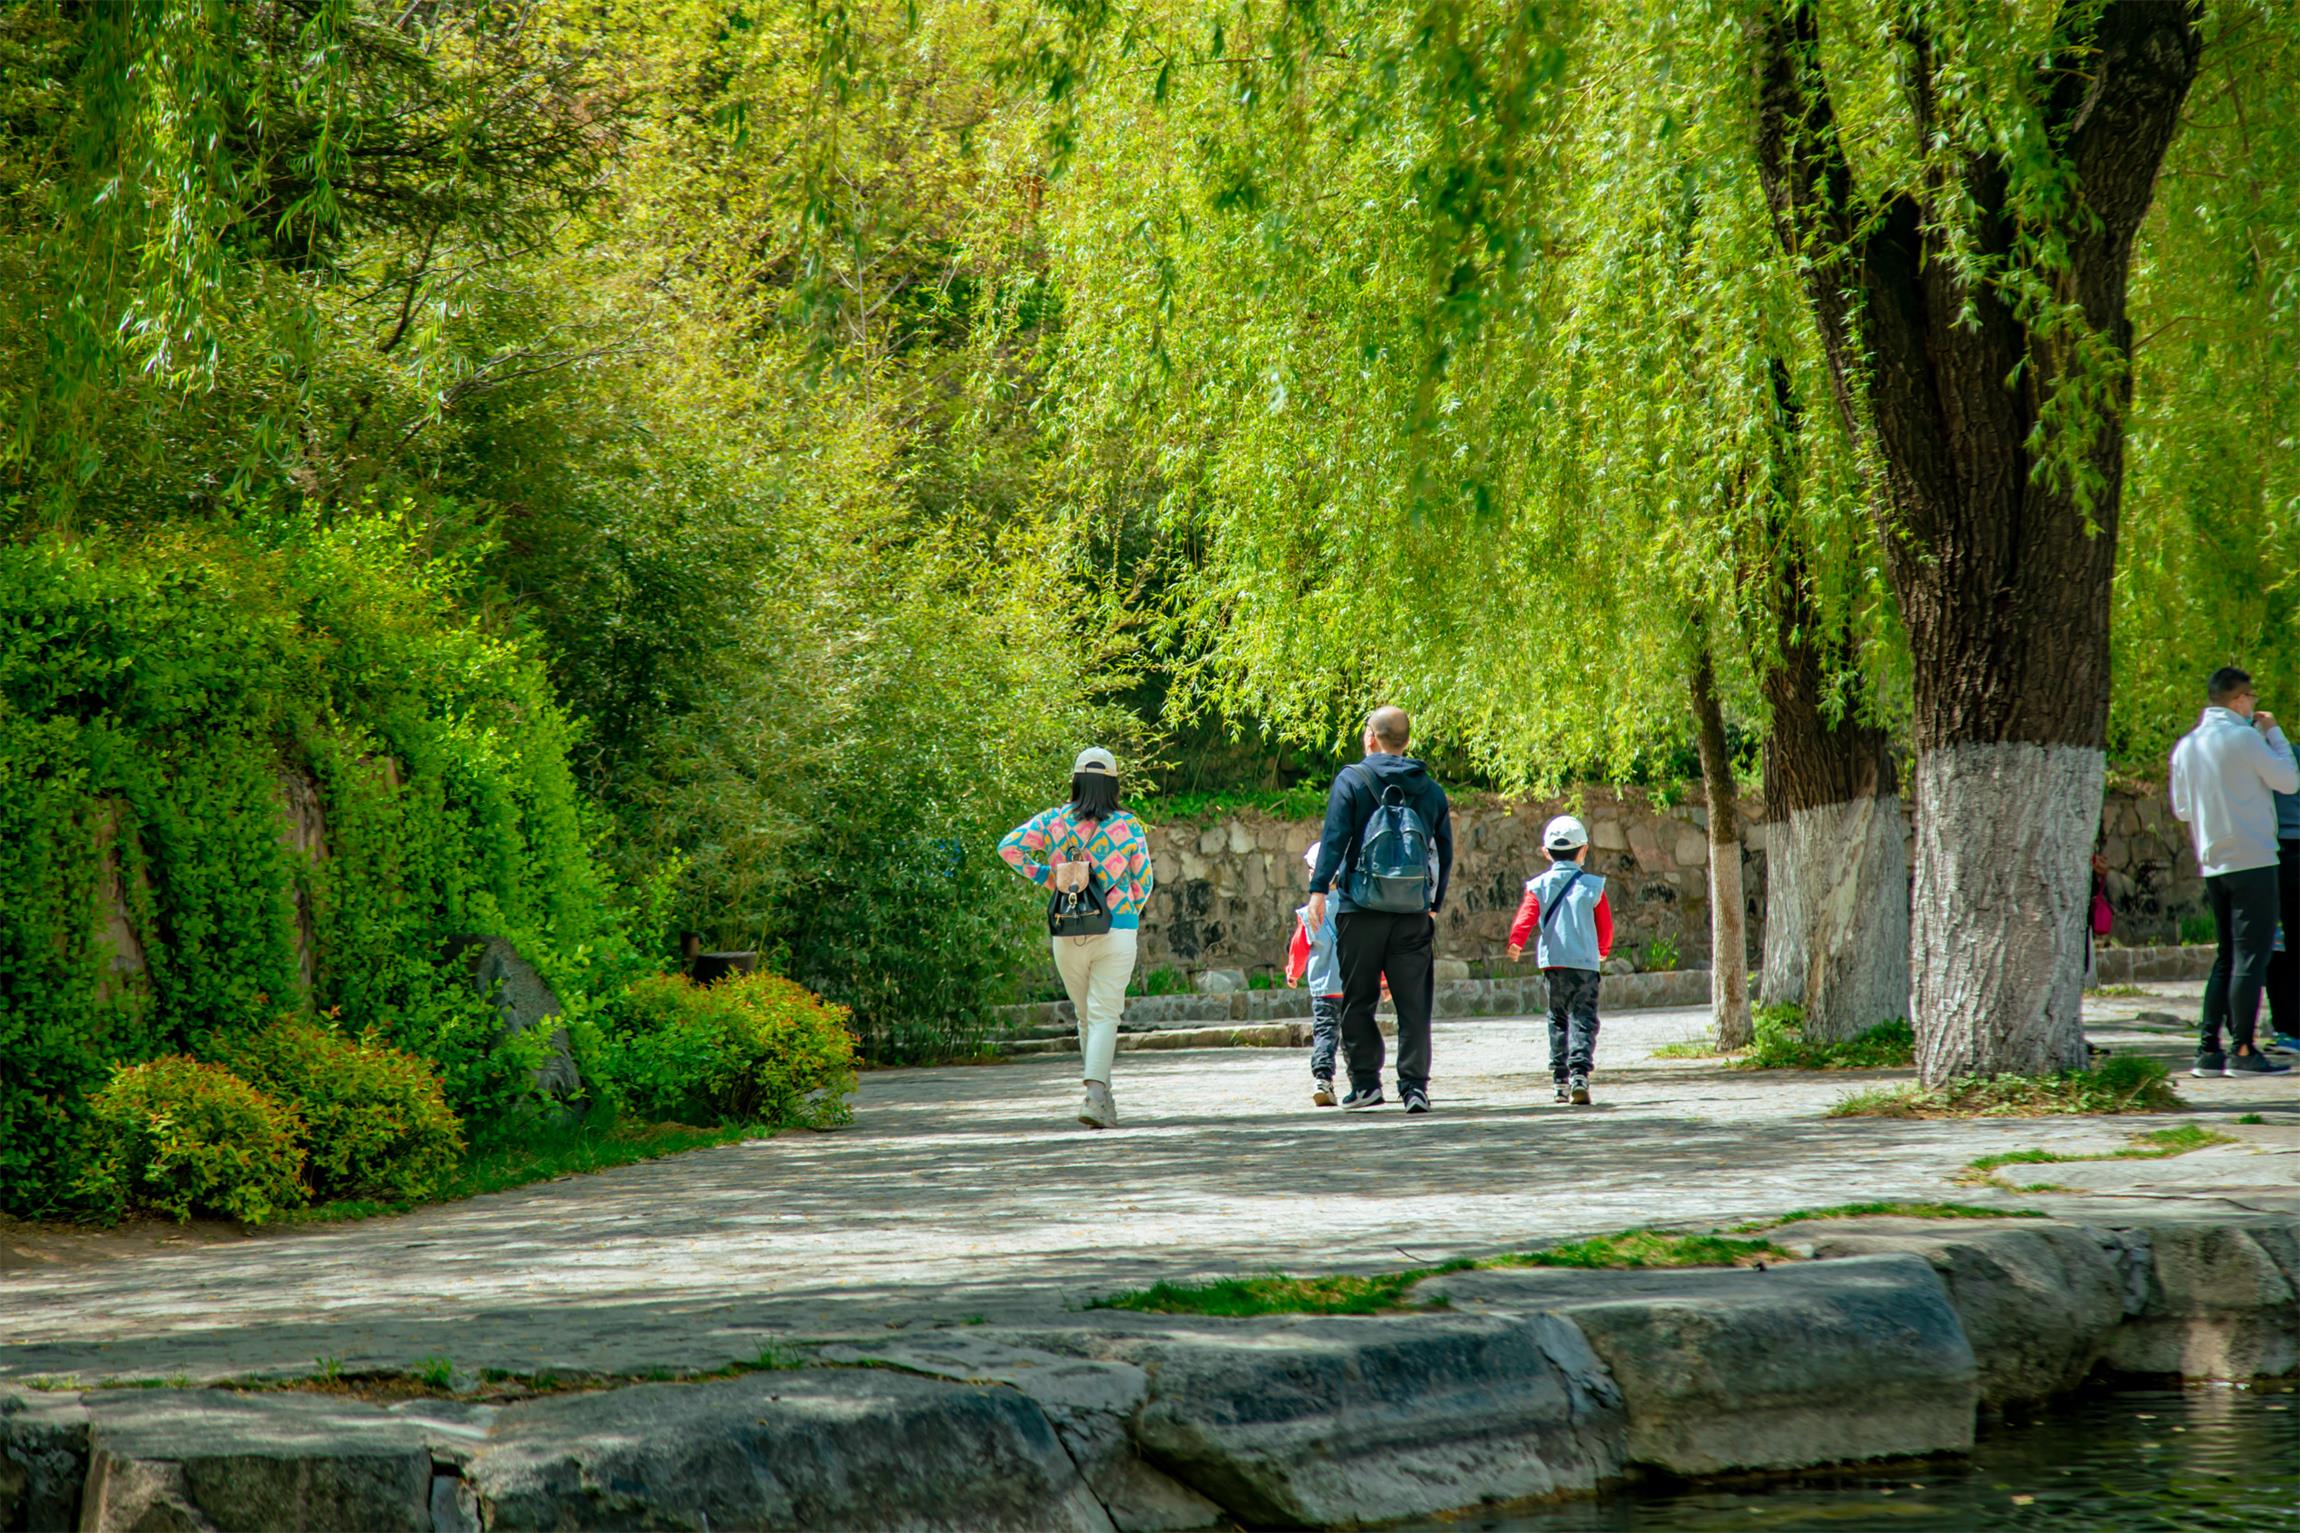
(1532, 1383)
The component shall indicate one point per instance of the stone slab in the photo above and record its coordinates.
(2037, 1299)
(1092, 1405)
(1739, 1368)
(865, 1448)
(1323, 1421)
(168, 1458)
(43, 1459)
(2215, 1301)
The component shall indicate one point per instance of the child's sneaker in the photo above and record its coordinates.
(1563, 1095)
(1579, 1087)
(1322, 1095)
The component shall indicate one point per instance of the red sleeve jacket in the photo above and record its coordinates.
(1529, 921)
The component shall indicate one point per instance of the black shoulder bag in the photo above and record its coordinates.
(1079, 912)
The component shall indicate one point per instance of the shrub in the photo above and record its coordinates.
(183, 1138)
(756, 1048)
(375, 1121)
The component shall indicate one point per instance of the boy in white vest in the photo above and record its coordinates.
(1566, 906)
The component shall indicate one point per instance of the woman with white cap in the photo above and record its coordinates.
(1092, 844)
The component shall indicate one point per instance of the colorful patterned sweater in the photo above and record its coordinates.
(1119, 850)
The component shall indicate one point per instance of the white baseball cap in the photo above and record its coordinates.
(1564, 834)
(1095, 759)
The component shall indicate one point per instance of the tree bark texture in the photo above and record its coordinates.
(1836, 850)
(2002, 570)
(1728, 914)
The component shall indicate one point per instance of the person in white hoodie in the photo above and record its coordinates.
(2225, 773)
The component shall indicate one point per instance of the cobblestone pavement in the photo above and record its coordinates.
(970, 1192)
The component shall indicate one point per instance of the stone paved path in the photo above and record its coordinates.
(969, 1192)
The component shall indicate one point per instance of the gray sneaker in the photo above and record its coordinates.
(1098, 1111)
(1579, 1088)
(2210, 1062)
(2256, 1063)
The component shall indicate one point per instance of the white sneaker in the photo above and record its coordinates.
(1098, 1111)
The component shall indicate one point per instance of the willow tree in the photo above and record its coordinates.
(1970, 291)
(1535, 488)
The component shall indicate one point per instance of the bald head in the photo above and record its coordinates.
(1387, 729)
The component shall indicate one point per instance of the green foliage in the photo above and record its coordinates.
(192, 716)
(2198, 931)
(375, 1124)
(1166, 981)
(1660, 953)
(180, 1138)
(1303, 801)
(755, 1048)
(2121, 1083)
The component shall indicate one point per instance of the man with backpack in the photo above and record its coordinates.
(1384, 860)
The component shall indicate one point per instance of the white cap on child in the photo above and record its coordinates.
(1565, 834)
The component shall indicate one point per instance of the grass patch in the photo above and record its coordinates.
(1887, 1210)
(1278, 1294)
(2156, 1144)
(2118, 992)
(545, 1157)
(2252, 1117)
(2122, 1083)
(1780, 1044)
(1648, 1248)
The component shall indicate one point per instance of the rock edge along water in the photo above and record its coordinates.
(1532, 1383)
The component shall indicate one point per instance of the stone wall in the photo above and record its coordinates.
(1228, 887)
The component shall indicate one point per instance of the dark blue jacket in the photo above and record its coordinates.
(1352, 802)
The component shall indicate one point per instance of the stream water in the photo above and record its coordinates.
(2133, 1461)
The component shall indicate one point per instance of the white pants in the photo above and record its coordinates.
(1095, 971)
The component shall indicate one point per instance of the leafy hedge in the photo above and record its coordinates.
(752, 1049)
(180, 1137)
(161, 700)
(375, 1122)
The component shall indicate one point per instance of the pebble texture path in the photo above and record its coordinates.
(965, 1193)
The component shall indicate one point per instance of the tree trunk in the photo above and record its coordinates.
(1728, 913)
(2000, 560)
(1836, 851)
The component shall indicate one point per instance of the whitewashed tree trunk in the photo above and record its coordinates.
(1837, 915)
(2004, 840)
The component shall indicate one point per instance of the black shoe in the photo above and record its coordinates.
(2210, 1062)
(1563, 1094)
(1579, 1087)
(2254, 1063)
(1358, 1100)
(1416, 1101)
(1323, 1094)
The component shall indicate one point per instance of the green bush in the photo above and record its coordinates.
(756, 1048)
(375, 1123)
(179, 1137)
(163, 699)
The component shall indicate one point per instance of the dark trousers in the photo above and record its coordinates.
(2244, 921)
(1572, 1021)
(1370, 944)
(2284, 967)
(1325, 1033)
